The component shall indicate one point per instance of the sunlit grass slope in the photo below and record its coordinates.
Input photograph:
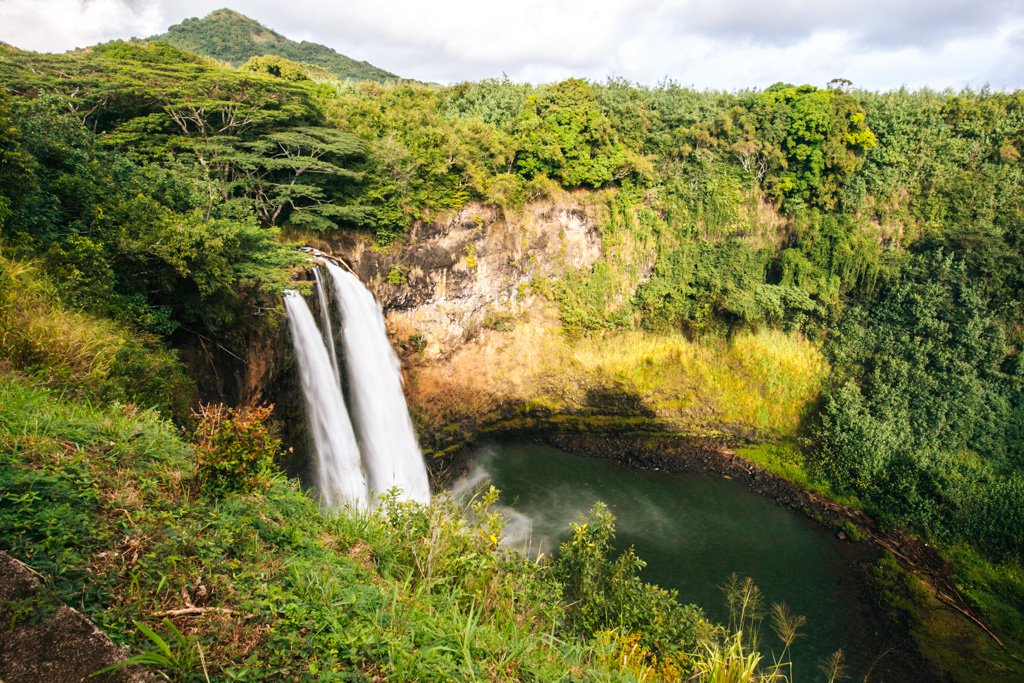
(104, 503)
(756, 384)
(80, 354)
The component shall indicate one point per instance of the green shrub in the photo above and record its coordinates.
(591, 300)
(602, 593)
(234, 448)
(562, 133)
(397, 276)
(920, 422)
(707, 287)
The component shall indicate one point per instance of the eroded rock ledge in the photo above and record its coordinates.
(447, 276)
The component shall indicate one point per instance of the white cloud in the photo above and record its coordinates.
(874, 22)
(49, 25)
(726, 44)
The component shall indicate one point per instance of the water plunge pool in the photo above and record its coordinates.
(693, 531)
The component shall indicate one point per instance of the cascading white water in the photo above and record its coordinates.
(325, 321)
(390, 452)
(339, 477)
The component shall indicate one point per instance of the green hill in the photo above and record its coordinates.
(234, 38)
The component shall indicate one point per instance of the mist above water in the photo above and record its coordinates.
(693, 531)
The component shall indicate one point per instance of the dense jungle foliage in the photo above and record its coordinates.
(146, 196)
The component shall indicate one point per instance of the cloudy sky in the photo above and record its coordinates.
(727, 44)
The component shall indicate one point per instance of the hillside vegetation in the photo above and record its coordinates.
(146, 198)
(109, 505)
(234, 38)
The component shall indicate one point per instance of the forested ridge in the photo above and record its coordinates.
(234, 38)
(151, 196)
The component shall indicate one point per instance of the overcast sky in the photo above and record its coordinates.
(728, 44)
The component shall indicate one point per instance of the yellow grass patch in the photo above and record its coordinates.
(758, 381)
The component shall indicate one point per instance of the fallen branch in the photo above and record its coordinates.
(26, 568)
(953, 604)
(188, 611)
(328, 257)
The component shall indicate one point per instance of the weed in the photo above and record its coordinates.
(178, 662)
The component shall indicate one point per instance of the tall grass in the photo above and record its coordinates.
(105, 502)
(755, 383)
(81, 354)
(36, 331)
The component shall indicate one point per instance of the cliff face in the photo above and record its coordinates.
(471, 307)
(473, 333)
(450, 279)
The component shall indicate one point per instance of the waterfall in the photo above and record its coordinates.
(390, 457)
(390, 452)
(339, 477)
(325, 321)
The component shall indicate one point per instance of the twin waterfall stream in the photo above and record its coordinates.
(363, 456)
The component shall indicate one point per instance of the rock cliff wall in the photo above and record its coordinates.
(452, 277)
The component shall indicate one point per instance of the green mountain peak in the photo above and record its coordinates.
(232, 37)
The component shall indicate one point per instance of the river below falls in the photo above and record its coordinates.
(693, 531)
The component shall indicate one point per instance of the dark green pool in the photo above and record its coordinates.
(693, 531)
